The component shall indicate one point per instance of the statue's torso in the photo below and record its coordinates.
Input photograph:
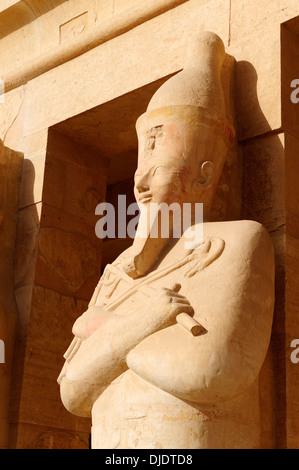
(137, 410)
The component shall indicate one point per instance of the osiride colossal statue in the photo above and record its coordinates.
(169, 351)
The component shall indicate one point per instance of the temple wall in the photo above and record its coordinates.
(76, 75)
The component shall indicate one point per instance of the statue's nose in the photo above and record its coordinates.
(142, 184)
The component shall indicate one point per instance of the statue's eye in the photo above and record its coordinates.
(159, 170)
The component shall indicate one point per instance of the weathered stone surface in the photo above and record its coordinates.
(292, 332)
(69, 258)
(32, 436)
(10, 175)
(292, 194)
(32, 179)
(35, 143)
(73, 188)
(69, 254)
(26, 245)
(94, 98)
(257, 13)
(258, 86)
(263, 181)
(36, 399)
(10, 109)
(292, 301)
(161, 331)
(167, 33)
(289, 74)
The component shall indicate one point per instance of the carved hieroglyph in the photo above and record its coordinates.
(169, 352)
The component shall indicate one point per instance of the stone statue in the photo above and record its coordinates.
(169, 351)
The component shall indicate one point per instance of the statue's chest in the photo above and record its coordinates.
(121, 294)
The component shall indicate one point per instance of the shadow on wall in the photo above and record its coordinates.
(52, 248)
(24, 268)
(261, 183)
(263, 200)
(10, 174)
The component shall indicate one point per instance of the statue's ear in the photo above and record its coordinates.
(206, 174)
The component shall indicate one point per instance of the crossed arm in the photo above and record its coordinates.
(106, 340)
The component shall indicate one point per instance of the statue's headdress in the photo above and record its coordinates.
(197, 90)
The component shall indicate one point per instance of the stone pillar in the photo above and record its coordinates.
(290, 121)
(10, 172)
(58, 263)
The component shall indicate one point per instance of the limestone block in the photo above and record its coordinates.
(34, 148)
(73, 189)
(292, 332)
(292, 194)
(40, 394)
(69, 254)
(67, 93)
(36, 395)
(23, 298)
(289, 73)
(35, 143)
(69, 149)
(32, 179)
(74, 27)
(272, 384)
(9, 109)
(259, 12)
(258, 85)
(10, 174)
(292, 324)
(52, 316)
(263, 181)
(29, 31)
(18, 40)
(75, 177)
(32, 436)
(26, 245)
(119, 5)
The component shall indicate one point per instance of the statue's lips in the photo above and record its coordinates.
(145, 198)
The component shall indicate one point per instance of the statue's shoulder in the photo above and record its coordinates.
(240, 232)
(245, 239)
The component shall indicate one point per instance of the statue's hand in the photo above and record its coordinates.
(166, 304)
(93, 319)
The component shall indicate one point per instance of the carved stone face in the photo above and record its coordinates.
(158, 182)
(164, 172)
(175, 144)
